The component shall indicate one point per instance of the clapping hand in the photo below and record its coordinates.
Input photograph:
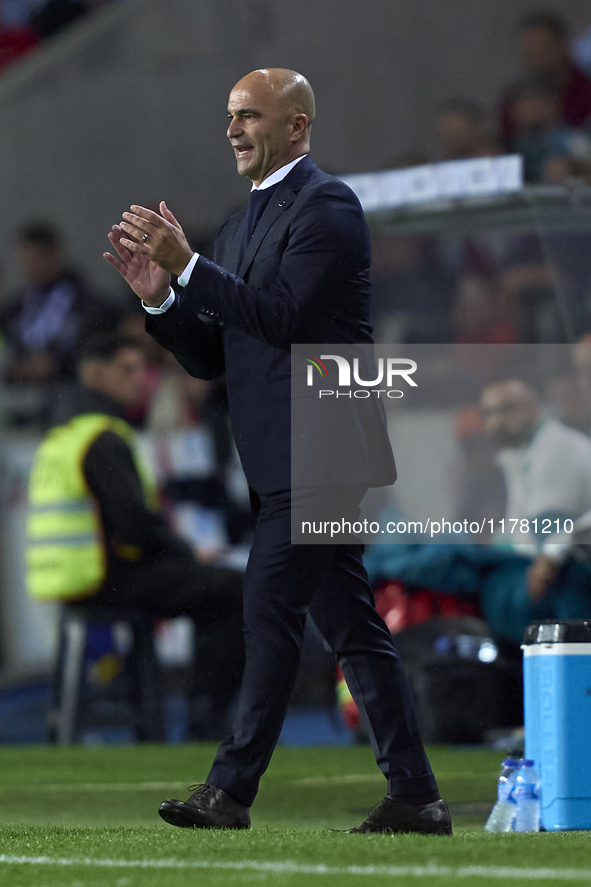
(150, 246)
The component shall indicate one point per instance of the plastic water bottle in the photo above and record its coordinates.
(502, 815)
(527, 795)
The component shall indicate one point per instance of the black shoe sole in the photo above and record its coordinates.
(175, 816)
(181, 815)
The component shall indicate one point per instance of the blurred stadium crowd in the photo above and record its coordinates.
(489, 288)
(27, 24)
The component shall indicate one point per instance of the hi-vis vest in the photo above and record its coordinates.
(66, 552)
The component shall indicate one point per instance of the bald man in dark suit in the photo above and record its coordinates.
(294, 268)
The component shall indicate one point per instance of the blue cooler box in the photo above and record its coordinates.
(557, 702)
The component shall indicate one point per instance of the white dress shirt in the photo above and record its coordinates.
(184, 278)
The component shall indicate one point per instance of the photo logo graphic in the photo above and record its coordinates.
(315, 362)
(387, 371)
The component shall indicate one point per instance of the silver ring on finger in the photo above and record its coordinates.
(144, 237)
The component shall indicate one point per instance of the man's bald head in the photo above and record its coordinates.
(290, 90)
(271, 112)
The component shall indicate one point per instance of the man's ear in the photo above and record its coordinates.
(299, 126)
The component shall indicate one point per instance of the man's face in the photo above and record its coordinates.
(41, 263)
(536, 111)
(260, 130)
(540, 50)
(510, 413)
(456, 132)
(123, 377)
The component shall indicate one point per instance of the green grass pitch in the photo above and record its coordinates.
(86, 817)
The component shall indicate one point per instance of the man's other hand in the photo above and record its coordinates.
(159, 238)
(148, 281)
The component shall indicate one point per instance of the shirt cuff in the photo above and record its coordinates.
(185, 276)
(165, 305)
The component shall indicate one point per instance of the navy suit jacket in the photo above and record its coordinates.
(304, 278)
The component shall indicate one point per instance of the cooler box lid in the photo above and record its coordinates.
(564, 631)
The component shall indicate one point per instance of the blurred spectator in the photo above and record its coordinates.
(529, 288)
(96, 533)
(547, 469)
(543, 49)
(546, 284)
(500, 578)
(192, 449)
(547, 472)
(15, 41)
(411, 284)
(48, 318)
(197, 463)
(576, 544)
(157, 358)
(479, 491)
(461, 131)
(546, 466)
(540, 136)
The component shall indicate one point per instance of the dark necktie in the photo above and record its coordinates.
(256, 206)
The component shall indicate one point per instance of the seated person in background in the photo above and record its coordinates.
(157, 361)
(408, 272)
(576, 545)
(547, 472)
(503, 581)
(537, 276)
(544, 49)
(539, 134)
(461, 133)
(546, 465)
(89, 481)
(197, 464)
(47, 319)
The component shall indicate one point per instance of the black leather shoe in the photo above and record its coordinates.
(393, 816)
(208, 807)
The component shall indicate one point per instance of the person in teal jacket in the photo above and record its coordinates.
(498, 577)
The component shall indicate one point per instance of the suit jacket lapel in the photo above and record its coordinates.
(283, 197)
(277, 205)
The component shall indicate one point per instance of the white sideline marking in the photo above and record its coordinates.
(174, 786)
(346, 778)
(374, 777)
(107, 786)
(417, 871)
(350, 778)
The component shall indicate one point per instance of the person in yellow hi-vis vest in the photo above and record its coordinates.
(96, 533)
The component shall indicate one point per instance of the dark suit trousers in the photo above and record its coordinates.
(284, 582)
